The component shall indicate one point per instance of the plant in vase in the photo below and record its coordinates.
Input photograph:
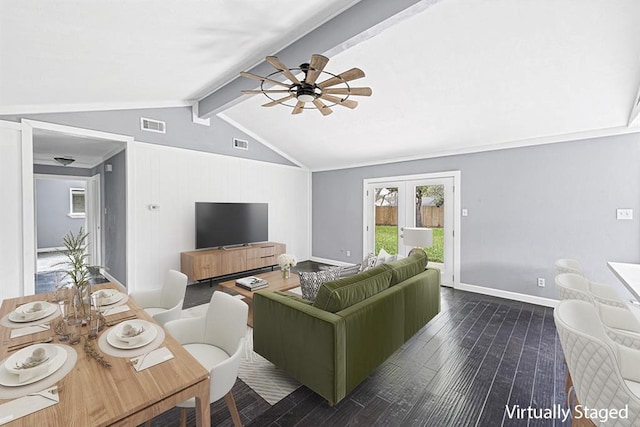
(78, 270)
(286, 261)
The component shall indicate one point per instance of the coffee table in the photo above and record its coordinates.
(276, 283)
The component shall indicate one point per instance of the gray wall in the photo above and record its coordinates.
(527, 207)
(114, 221)
(181, 131)
(61, 170)
(52, 209)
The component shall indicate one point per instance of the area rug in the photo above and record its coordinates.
(270, 382)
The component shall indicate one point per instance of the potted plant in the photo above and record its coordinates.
(78, 270)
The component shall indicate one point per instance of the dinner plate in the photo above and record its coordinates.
(25, 314)
(149, 334)
(20, 357)
(10, 379)
(109, 296)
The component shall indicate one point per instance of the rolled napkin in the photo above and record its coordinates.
(36, 364)
(152, 358)
(28, 404)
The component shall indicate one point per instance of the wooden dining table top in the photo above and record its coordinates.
(93, 395)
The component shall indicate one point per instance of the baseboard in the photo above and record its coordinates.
(515, 296)
(111, 278)
(332, 262)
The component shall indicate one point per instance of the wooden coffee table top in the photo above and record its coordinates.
(274, 278)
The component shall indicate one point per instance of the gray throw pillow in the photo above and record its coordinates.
(310, 282)
(369, 262)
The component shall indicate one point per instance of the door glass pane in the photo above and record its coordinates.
(386, 219)
(429, 212)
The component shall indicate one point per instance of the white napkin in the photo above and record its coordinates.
(116, 310)
(19, 332)
(29, 404)
(152, 358)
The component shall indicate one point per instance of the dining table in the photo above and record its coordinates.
(94, 394)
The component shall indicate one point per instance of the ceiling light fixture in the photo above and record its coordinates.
(308, 90)
(64, 161)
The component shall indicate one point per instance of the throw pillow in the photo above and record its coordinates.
(369, 262)
(310, 282)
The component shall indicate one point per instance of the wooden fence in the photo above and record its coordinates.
(431, 216)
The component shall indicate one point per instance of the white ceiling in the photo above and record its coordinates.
(457, 76)
(87, 152)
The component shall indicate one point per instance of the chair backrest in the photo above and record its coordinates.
(567, 265)
(573, 286)
(173, 289)
(226, 321)
(592, 362)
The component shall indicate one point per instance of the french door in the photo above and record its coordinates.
(427, 201)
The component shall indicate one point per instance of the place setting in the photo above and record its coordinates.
(35, 313)
(29, 377)
(111, 301)
(138, 340)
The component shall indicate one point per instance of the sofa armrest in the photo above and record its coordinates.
(305, 341)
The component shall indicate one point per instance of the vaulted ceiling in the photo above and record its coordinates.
(448, 76)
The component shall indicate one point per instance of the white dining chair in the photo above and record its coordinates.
(576, 286)
(216, 340)
(568, 265)
(164, 304)
(604, 374)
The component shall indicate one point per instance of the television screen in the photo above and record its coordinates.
(226, 224)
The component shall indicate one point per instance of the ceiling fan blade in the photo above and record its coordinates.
(251, 92)
(347, 76)
(263, 79)
(360, 91)
(344, 102)
(317, 64)
(322, 108)
(278, 101)
(298, 108)
(273, 60)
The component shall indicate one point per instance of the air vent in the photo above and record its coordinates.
(240, 144)
(152, 125)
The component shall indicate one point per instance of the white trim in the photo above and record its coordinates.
(55, 249)
(261, 140)
(514, 296)
(130, 227)
(331, 262)
(29, 244)
(195, 115)
(457, 210)
(28, 213)
(74, 108)
(575, 136)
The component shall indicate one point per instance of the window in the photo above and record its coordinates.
(76, 203)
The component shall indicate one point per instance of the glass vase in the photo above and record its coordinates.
(82, 303)
(286, 272)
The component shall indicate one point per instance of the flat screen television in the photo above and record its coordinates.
(228, 224)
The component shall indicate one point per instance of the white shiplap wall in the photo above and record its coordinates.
(11, 238)
(175, 179)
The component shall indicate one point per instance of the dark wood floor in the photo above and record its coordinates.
(477, 356)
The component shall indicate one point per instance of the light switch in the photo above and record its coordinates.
(624, 214)
(465, 212)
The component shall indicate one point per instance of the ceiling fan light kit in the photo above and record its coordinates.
(308, 91)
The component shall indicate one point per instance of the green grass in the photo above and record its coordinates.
(387, 238)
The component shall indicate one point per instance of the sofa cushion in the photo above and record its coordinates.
(342, 293)
(310, 281)
(405, 268)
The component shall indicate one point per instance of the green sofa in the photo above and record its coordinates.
(355, 324)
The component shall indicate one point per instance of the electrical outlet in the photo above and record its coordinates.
(348, 253)
(624, 213)
(541, 282)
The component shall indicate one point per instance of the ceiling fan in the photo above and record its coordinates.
(306, 90)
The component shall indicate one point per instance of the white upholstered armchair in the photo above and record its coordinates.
(164, 304)
(605, 374)
(217, 342)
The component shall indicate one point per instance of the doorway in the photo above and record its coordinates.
(63, 204)
(426, 201)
